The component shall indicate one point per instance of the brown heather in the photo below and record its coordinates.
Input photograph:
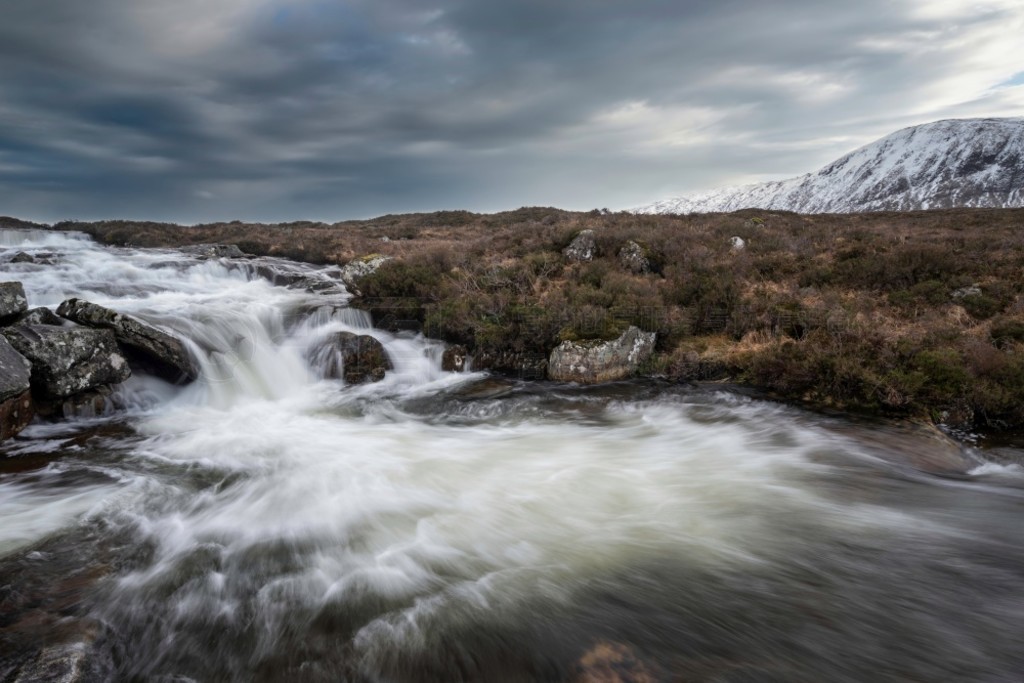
(916, 313)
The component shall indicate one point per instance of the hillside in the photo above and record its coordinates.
(976, 163)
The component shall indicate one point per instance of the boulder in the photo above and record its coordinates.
(454, 358)
(12, 301)
(590, 362)
(68, 360)
(359, 268)
(155, 351)
(355, 358)
(16, 407)
(22, 257)
(633, 258)
(214, 251)
(512, 363)
(737, 243)
(40, 316)
(582, 248)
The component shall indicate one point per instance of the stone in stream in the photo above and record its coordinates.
(68, 360)
(16, 407)
(22, 257)
(40, 316)
(590, 362)
(355, 358)
(157, 351)
(12, 301)
(214, 251)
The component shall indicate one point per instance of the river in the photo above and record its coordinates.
(266, 524)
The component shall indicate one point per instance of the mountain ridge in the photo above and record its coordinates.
(952, 163)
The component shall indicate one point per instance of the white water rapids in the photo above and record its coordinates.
(266, 524)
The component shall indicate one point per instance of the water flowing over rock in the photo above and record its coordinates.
(355, 358)
(12, 300)
(214, 251)
(633, 258)
(164, 354)
(583, 247)
(589, 362)
(68, 360)
(15, 399)
(22, 257)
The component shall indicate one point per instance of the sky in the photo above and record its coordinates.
(267, 110)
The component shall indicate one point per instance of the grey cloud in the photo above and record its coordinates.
(331, 109)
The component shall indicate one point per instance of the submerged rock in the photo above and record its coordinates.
(582, 248)
(355, 358)
(68, 360)
(16, 409)
(155, 350)
(589, 362)
(12, 301)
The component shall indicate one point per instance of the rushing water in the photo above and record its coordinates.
(266, 524)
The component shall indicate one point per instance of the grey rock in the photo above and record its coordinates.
(40, 316)
(355, 358)
(155, 350)
(22, 257)
(582, 248)
(12, 300)
(590, 362)
(68, 360)
(15, 371)
(214, 251)
(633, 258)
(737, 243)
(964, 292)
(16, 407)
(359, 268)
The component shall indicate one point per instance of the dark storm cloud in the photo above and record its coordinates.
(270, 109)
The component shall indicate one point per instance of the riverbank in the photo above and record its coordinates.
(905, 314)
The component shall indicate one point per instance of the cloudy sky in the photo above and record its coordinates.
(196, 110)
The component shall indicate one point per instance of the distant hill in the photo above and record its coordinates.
(975, 163)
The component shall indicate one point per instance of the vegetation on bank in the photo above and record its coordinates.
(907, 313)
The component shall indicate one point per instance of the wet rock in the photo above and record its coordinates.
(454, 358)
(157, 351)
(582, 248)
(68, 360)
(513, 363)
(40, 316)
(93, 403)
(67, 663)
(16, 408)
(359, 268)
(355, 358)
(22, 257)
(589, 362)
(214, 251)
(634, 258)
(12, 301)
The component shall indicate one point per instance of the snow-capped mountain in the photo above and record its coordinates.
(952, 163)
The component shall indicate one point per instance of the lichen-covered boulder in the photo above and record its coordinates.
(68, 360)
(12, 301)
(355, 358)
(359, 268)
(156, 351)
(40, 316)
(16, 408)
(582, 248)
(634, 258)
(590, 362)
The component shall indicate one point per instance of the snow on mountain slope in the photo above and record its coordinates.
(952, 163)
